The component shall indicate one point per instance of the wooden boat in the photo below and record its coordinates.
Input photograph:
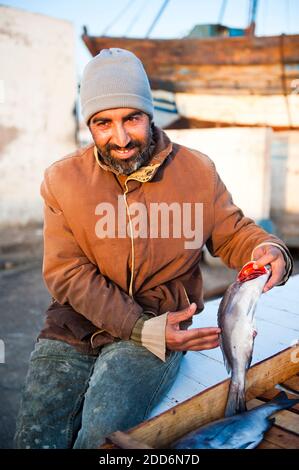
(220, 80)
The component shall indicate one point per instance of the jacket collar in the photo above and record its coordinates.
(161, 149)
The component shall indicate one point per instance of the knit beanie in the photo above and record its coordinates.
(115, 78)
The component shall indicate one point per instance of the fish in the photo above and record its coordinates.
(286, 388)
(238, 330)
(241, 431)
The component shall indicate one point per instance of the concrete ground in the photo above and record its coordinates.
(24, 299)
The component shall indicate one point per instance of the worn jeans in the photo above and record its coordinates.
(71, 400)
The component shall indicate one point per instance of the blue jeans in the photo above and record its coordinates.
(71, 400)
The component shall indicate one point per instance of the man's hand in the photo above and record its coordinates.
(269, 254)
(195, 339)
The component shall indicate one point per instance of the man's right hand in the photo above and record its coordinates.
(195, 339)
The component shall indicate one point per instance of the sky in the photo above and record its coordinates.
(133, 18)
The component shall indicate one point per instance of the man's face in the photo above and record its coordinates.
(123, 137)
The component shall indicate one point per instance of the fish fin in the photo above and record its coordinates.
(248, 445)
(254, 334)
(249, 360)
(225, 361)
(272, 421)
(281, 401)
(236, 400)
(287, 389)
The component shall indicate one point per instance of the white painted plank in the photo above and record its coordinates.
(184, 388)
(203, 369)
(278, 317)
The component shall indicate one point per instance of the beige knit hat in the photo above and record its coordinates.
(115, 78)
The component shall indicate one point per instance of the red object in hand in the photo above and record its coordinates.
(248, 272)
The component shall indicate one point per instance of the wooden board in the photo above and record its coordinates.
(231, 50)
(277, 438)
(209, 405)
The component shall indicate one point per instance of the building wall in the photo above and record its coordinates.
(37, 97)
(285, 172)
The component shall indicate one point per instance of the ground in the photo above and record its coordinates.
(24, 299)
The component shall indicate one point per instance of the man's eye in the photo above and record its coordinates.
(133, 118)
(102, 124)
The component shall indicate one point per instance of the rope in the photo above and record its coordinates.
(120, 14)
(157, 17)
(222, 11)
(136, 17)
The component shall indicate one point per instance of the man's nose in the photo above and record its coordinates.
(120, 135)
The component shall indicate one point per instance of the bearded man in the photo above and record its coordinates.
(124, 287)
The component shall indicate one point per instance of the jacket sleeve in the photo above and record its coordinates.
(234, 236)
(72, 278)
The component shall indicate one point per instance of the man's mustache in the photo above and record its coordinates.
(130, 145)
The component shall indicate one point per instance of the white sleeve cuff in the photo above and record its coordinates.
(153, 335)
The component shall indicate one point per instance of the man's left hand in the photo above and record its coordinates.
(269, 254)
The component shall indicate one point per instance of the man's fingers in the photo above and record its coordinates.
(274, 257)
(268, 256)
(181, 315)
(184, 340)
(197, 334)
(263, 260)
(278, 270)
(206, 346)
(201, 342)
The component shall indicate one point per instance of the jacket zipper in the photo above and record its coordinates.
(132, 242)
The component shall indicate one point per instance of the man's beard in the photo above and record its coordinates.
(131, 164)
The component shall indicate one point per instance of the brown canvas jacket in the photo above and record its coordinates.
(101, 286)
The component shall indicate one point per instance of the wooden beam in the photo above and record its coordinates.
(226, 50)
(278, 437)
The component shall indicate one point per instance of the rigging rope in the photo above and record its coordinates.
(120, 14)
(136, 17)
(222, 11)
(157, 17)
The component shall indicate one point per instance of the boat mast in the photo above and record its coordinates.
(250, 30)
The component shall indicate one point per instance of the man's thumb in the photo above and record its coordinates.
(187, 312)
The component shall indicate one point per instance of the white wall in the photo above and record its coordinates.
(285, 172)
(37, 96)
(242, 158)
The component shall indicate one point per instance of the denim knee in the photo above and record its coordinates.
(57, 379)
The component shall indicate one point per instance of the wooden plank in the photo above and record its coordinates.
(285, 419)
(231, 50)
(124, 441)
(268, 445)
(209, 405)
(280, 438)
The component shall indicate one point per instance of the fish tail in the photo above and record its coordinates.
(236, 400)
(287, 389)
(281, 402)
